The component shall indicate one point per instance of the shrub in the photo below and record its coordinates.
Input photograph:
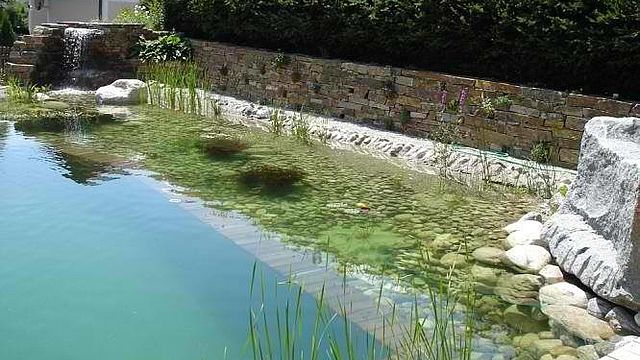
(7, 36)
(166, 48)
(566, 44)
(222, 146)
(541, 152)
(149, 12)
(272, 176)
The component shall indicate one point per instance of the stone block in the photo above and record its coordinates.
(595, 234)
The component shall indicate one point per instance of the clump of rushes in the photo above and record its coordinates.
(301, 129)
(276, 122)
(222, 146)
(272, 176)
(177, 86)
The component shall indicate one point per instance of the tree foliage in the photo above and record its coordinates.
(589, 45)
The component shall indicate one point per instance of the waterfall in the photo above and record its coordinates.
(77, 43)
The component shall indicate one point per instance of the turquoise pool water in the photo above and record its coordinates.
(111, 269)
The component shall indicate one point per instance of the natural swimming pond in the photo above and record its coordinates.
(98, 264)
(359, 209)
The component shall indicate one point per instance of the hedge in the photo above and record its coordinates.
(590, 46)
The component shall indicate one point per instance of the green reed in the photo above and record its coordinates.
(179, 86)
(450, 337)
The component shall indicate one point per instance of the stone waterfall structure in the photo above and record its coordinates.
(87, 55)
(595, 235)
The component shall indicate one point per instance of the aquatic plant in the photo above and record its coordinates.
(276, 122)
(448, 336)
(177, 86)
(301, 129)
(222, 146)
(272, 176)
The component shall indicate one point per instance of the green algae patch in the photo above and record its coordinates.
(362, 244)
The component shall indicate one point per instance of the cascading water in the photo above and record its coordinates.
(77, 42)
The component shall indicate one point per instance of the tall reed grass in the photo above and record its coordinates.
(448, 336)
(179, 86)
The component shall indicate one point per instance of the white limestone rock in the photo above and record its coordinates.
(563, 293)
(527, 258)
(622, 322)
(122, 92)
(531, 226)
(576, 322)
(598, 307)
(551, 274)
(596, 233)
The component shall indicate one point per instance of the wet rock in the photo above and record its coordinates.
(519, 289)
(637, 319)
(484, 275)
(563, 293)
(488, 255)
(454, 260)
(519, 317)
(598, 307)
(596, 232)
(622, 322)
(527, 340)
(576, 322)
(546, 357)
(551, 274)
(587, 352)
(544, 346)
(563, 350)
(566, 357)
(527, 258)
(122, 92)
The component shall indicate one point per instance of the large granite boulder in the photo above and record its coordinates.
(596, 233)
(122, 92)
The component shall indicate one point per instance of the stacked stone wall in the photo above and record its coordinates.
(415, 102)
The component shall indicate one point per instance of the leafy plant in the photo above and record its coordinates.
(453, 106)
(502, 101)
(405, 117)
(541, 152)
(23, 94)
(281, 60)
(389, 124)
(163, 49)
(486, 107)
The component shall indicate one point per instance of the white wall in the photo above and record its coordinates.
(74, 10)
(111, 8)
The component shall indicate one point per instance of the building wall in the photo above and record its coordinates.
(74, 10)
(411, 99)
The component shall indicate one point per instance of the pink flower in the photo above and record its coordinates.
(463, 97)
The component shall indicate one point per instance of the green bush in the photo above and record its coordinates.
(166, 48)
(7, 36)
(589, 45)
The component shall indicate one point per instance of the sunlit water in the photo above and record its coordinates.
(111, 269)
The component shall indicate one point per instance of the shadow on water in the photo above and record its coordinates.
(82, 169)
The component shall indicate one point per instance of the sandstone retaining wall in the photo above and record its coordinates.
(415, 102)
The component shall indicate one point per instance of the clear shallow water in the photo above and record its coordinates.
(113, 270)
